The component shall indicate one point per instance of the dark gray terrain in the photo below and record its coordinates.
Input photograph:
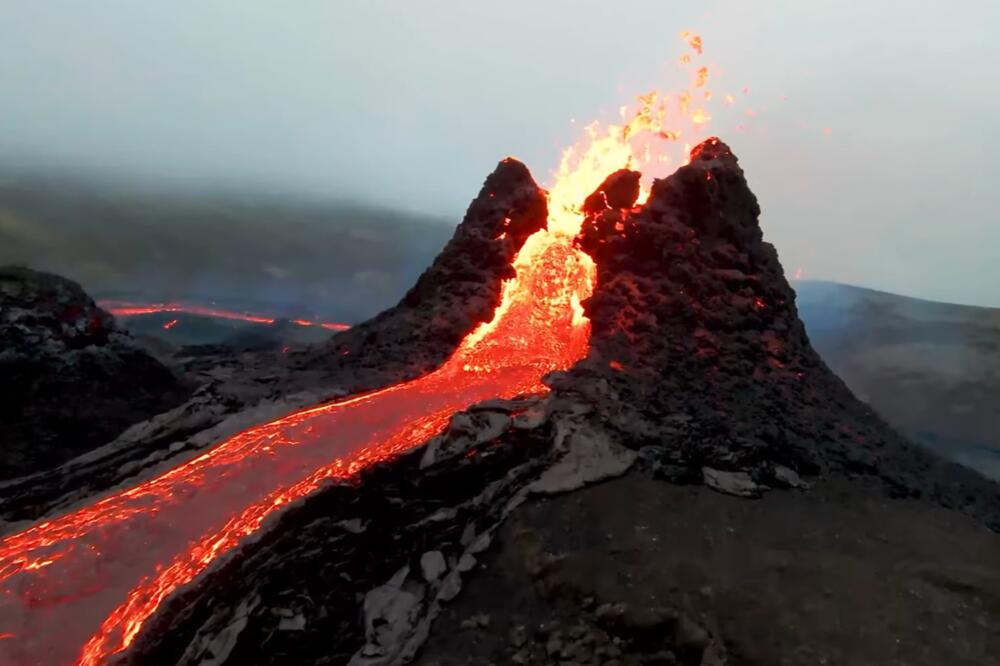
(72, 380)
(931, 369)
(244, 250)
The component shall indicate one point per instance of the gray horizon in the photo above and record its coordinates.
(411, 105)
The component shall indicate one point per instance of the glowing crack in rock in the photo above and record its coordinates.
(78, 587)
(130, 309)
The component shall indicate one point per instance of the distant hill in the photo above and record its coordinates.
(931, 369)
(284, 256)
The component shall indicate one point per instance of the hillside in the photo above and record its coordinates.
(931, 369)
(242, 250)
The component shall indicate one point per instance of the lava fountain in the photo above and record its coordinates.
(78, 588)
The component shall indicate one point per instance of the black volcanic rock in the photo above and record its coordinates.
(606, 209)
(359, 561)
(619, 190)
(699, 362)
(71, 380)
(697, 352)
(458, 291)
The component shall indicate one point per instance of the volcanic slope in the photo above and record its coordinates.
(761, 514)
(101, 570)
(458, 292)
(461, 289)
(697, 350)
(71, 378)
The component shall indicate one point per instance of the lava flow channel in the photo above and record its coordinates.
(77, 588)
(130, 309)
(92, 577)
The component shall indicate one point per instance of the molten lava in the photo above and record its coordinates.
(128, 309)
(79, 587)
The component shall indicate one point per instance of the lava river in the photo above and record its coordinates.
(130, 309)
(78, 587)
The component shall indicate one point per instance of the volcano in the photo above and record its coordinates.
(698, 372)
(329, 504)
(557, 341)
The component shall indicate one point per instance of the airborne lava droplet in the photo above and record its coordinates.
(693, 40)
(701, 76)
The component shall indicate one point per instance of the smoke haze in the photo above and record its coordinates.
(409, 105)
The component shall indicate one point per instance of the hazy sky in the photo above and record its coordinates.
(412, 102)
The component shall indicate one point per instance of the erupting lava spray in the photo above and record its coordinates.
(79, 587)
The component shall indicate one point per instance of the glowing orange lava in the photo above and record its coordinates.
(80, 586)
(129, 309)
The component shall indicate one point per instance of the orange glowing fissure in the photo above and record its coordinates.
(78, 587)
(130, 309)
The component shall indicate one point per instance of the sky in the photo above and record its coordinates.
(411, 103)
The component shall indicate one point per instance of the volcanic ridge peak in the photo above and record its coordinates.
(697, 353)
(461, 289)
(620, 191)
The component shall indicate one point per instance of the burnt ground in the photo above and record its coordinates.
(316, 590)
(623, 572)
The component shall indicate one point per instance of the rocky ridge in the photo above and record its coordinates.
(700, 374)
(72, 380)
(459, 290)
(699, 358)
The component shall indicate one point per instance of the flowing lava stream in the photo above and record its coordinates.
(129, 309)
(78, 588)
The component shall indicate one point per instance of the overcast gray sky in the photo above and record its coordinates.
(411, 103)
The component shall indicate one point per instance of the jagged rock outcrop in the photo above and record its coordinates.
(698, 353)
(458, 291)
(71, 380)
